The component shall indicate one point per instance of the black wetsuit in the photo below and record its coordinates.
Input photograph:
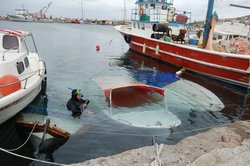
(76, 106)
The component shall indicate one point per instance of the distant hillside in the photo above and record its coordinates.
(243, 19)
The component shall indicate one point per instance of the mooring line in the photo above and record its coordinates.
(11, 150)
(32, 159)
(143, 135)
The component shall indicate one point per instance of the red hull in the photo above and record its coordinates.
(229, 68)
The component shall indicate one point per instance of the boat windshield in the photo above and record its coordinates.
(156, 1)
(10, 42)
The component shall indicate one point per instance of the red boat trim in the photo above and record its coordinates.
(193, 60)
(13, 32)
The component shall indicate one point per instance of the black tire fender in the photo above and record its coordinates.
(127, 38)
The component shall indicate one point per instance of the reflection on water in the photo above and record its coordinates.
(234, 100)
(197, 102)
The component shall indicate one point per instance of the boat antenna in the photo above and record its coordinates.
(125, 11)
(207, 23)
(240, 6)
(83, 11)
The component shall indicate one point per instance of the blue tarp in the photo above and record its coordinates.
(154, 78)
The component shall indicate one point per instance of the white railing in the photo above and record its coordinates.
(155, 15)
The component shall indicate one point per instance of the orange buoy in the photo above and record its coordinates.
(97, 47)
(9, 84)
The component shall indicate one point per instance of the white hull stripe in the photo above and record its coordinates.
(223, 79)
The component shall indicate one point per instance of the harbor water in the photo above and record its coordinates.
(192, 103)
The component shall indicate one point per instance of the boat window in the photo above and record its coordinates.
(219, 37)
(138, 25)
(152, 5)
(164, 7)
(10, 42)
(20, 67)
(26, 62)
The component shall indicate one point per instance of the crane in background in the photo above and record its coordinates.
(41, 13)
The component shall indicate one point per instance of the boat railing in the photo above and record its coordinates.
(157, 15)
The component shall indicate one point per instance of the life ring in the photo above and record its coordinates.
(141, 12)
(127, 38)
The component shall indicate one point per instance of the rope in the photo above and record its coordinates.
(157, 159)
(28, 158)
(143, 135)
(10, 150)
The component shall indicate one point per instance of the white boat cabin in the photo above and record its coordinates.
(15, 51)
(152, 18)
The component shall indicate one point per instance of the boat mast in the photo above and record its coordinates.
(207, 23)
(82, 9)
(124, 19)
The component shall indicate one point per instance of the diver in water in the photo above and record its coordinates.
(76, 104)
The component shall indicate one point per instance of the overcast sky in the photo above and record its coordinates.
(114, 9)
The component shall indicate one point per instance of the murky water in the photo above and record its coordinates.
(72, 61)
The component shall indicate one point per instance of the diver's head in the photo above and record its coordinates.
(76, 94)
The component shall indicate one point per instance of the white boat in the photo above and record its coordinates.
(22, 72)
(22, 15)
(230, 30)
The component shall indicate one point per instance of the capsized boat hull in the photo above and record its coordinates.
(128, 98)
(128, 92)
(153, 118)
(223, 66)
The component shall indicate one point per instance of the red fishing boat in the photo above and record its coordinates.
(160, 31)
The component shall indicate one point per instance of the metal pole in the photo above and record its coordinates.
(110, 98)
(207, 23)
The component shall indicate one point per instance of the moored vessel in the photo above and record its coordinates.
(160, 31)
(22, 72)
(21, 15)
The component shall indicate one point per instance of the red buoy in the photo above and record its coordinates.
(9, 84)
(97, 47)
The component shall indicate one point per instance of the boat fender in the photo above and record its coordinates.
(9, 84)
(97, 47)
(141, 12)
(156, 36)
(127, 38)
(160, 27)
